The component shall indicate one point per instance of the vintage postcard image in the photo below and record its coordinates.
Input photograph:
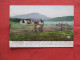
(41, 25)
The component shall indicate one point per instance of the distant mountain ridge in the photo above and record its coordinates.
(64, 18)
(31, 16)
(38, 16)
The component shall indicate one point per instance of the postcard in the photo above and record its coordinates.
(41, 25)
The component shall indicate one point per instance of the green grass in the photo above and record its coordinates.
(14, 23)
(43, 36)
(22, 27)
(30, 27)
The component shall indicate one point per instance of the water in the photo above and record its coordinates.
(57, 22)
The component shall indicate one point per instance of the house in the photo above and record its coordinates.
(36, 22)
(25, 21)
(30, 21)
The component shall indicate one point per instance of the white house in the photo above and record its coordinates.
(26, 21)
(23, 21)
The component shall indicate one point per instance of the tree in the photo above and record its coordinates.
(15, 19)
(40, 29)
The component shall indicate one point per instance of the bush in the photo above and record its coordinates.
(15, 19)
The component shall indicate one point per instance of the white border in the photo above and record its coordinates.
(14, 44)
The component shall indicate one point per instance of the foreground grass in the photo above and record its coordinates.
(43, 36)
(14, 23)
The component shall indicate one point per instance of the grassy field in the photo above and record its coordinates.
(23, 32)
(14, 23)
(43, 36)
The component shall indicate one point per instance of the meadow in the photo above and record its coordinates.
(22, 32)
(43, 36)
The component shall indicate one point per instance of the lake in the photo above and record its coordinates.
(57, 22)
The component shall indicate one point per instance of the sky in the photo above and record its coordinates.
(47, 10)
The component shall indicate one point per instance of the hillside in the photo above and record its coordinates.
(65, 18)
(31, 16)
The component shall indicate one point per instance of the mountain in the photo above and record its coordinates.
(43, 17)
(32, 16)
(64, 18)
